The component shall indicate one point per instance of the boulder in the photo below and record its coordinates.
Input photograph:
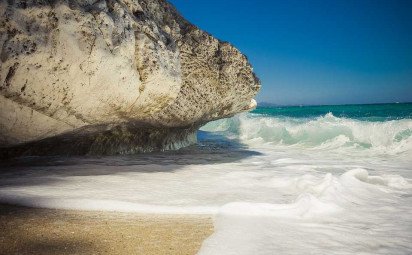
(112, 76)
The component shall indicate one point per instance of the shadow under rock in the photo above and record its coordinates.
(211, 149)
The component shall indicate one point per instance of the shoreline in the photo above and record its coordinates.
(26, 230)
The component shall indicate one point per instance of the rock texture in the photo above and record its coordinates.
(128, 75)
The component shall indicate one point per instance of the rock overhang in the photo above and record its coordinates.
(69, 65)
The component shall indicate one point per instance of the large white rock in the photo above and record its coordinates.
(90, 67)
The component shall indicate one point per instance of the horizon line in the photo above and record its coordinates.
(291, 105)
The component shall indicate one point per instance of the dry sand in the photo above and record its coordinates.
(45, 231)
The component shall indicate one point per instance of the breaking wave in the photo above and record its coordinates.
(325, 132)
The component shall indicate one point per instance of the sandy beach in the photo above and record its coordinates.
(26, 230)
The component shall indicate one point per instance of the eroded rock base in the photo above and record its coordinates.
(106, 140)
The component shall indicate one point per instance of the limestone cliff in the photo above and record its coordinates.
(112, 76)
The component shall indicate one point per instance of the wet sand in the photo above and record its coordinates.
(26, 230)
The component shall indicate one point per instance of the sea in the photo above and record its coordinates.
(277, 180)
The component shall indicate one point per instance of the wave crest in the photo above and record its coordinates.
(325, 132)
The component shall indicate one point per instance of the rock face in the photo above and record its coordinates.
(112, 76)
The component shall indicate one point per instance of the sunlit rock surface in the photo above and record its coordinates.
(107, 77)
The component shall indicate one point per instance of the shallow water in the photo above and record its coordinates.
(276, 183)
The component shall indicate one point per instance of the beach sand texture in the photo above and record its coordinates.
(26, 230)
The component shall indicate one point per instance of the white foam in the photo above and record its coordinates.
(327, 132)
(352, 214)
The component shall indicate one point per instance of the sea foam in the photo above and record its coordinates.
(352, 213)
(325, 132)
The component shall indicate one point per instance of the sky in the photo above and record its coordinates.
(317, 52)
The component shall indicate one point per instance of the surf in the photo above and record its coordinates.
(323, 132)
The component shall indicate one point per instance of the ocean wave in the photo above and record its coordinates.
(325, 132)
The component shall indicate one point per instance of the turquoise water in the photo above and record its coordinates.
(370, 112)
(381, 128)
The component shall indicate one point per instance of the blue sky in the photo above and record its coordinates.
(317, 52)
